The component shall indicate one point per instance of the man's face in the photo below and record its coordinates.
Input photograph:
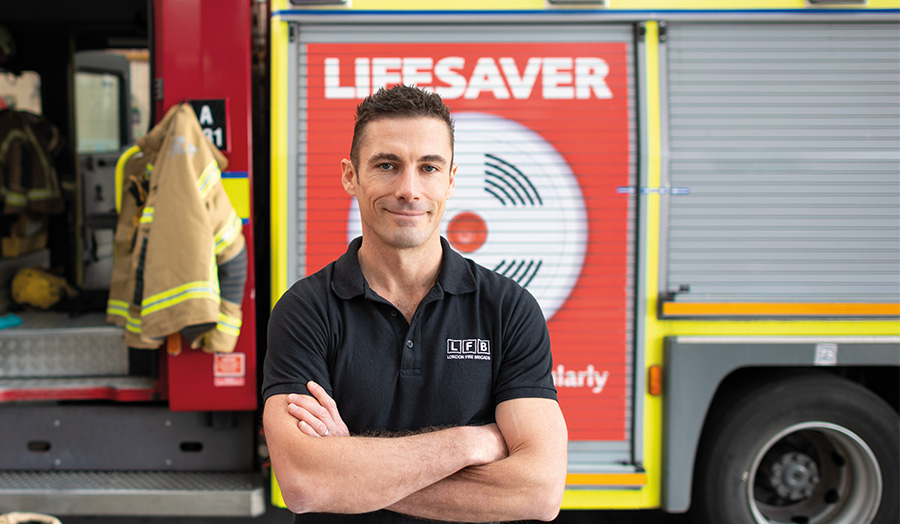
(403, 180)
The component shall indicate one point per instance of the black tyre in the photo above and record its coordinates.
(804, 448)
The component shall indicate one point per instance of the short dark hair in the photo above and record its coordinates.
(400, 101)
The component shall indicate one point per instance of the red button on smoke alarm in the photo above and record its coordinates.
(467, 232)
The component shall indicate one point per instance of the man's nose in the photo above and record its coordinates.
(408, 187)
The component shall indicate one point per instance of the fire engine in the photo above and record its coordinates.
(703, 196)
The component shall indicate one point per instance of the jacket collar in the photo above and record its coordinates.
(455, 277)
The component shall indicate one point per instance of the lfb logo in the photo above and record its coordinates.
(468, 349)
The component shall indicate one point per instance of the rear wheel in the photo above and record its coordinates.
(802, 449)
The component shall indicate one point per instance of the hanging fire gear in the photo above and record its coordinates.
(180, 257)
(28, 144)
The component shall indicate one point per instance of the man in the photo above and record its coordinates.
(403, 381)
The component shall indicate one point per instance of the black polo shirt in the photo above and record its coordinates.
(476, 339)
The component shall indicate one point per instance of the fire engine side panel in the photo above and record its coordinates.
(651, 52)
(556, 192)
(781, 148)
(203, 53)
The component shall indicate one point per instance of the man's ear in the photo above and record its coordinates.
(452, 180)
(348, 177)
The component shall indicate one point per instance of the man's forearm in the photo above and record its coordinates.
(493, 492)
(527, 485)
(361, 474)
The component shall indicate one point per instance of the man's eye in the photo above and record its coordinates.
(429, 169)
(385, 166)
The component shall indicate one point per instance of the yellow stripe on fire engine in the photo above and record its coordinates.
(278, 151)
(778, 309)
(278, 66)
(647, 495)
(625, 480)
(238, 191)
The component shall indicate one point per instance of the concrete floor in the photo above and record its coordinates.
(279, 516)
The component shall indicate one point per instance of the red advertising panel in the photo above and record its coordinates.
(542, 143)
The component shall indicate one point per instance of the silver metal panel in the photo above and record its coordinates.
(599, 457)
(640, 282)
(123, 438)
(51, 344)
(133, 493)
(788, 137)
(321, 30)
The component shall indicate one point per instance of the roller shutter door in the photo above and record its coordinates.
(545, 135)
(784, 144)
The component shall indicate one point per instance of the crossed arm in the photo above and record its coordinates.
(512, 470)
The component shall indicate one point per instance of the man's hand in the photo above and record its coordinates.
(318, 414)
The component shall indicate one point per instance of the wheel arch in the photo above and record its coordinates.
(704, 374)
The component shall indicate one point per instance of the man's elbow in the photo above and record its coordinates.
(551, 487)
(548, 501)
(299, 496)
(311, 494)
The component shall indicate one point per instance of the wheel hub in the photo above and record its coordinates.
(794, 476)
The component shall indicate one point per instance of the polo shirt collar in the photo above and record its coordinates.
(455, 277)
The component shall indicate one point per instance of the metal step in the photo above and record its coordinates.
(53, 344)
(184, 494)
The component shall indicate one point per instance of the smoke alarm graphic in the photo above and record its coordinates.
(517, 208)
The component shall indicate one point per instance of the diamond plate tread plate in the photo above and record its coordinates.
(154, 493)
(52, 344)
(127, 480)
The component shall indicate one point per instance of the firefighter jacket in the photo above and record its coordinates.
(176, 228)
(28, 181)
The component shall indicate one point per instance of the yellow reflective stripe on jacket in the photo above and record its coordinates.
(208, 179)
(229, 232)
(28, 136)
(178, 295)
(40, 193)
(15, 199)
(214, 274)
(229, 325)
(119, 308)
(147, 215)
(11, 136)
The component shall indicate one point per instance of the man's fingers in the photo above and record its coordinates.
(307, 429)
(324, 399)
(311, 405)
(309, 420)
(336, 424)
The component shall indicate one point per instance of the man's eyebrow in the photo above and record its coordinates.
(434, 159)
(381, 157)
(378, 157)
